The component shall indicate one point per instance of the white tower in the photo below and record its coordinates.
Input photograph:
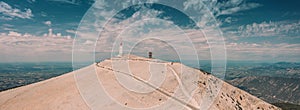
(50, 32)
(121, 48)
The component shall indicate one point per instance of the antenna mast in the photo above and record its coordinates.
(121, 48)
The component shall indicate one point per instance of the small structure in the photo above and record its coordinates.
(50, 34)
(150, 54)
(121, 48)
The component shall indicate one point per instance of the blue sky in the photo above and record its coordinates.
(63, 16)
(265, 30)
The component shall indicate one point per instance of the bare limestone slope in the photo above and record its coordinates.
(131, 82)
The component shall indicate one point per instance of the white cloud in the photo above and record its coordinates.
(5, 18)
(31, 1)
(265, 51)
(26, 47)
(71, 31)
(10, 12)
(44, 14)
(15, 34)
(240, 7)
(283, 50)
(48, 23)
(230, 20)
(3, 34)
(269, 29)
(7, 25)
(75, 2)
(220, 8)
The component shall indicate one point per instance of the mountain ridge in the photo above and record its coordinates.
(75, 90)
(264, 87)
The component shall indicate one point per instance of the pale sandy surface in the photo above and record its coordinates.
(131, 83)
(56, 93)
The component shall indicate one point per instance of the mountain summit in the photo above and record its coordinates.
(132, 82)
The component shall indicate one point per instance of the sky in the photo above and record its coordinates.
(247, 30)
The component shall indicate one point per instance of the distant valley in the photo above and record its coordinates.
(270, 89)
(277, 82)
(19, 74)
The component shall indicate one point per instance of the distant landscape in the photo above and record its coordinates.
(19, 74)
(276, 83)
(272, 82)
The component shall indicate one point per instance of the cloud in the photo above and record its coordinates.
(230, 20)
(270, 29)
(71, 31)
(10, 12)
(5, 18)
(263, 48)
(74, 2)
(30, 1)
(7, 27)
(26, 47)
(218, 8)
(43, 14)
(185, 42)
(15, 34)
(48, 23)
(134, 29)
(240, 7)
(264, 51)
